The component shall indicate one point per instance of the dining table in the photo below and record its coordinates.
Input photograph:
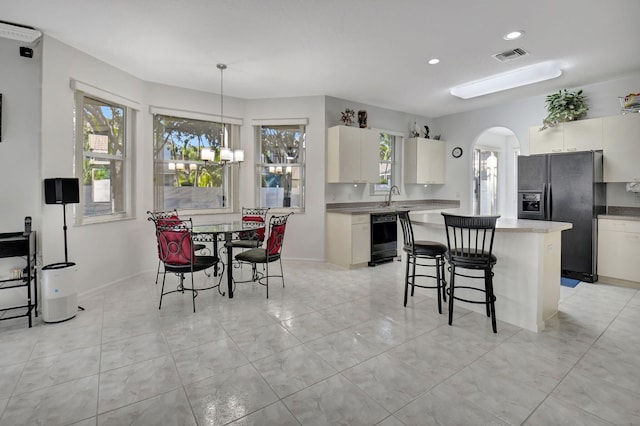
(225, 231)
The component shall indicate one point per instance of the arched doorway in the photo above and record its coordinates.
(494, 173)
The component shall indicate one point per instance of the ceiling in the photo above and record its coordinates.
(369, 51)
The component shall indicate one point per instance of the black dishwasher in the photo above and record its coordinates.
(384, 236)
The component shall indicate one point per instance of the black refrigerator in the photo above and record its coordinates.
(566, 187)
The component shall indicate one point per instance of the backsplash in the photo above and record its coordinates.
(623, 211)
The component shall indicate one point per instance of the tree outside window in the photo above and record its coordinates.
(183, 180)
(387, 158)
(104, 158)
(281, 166)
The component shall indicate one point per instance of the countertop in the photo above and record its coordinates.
(618, 217)
(413, 205)
(502, 225)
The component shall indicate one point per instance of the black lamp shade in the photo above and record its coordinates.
(61, 191)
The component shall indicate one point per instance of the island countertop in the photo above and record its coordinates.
(527, 273)
(502, 225)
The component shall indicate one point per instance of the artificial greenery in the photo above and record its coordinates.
(564, 106)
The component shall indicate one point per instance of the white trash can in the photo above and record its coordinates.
(58, 292)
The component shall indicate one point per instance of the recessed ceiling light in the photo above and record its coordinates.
(434, 61)
(509, 80)
(513, 35)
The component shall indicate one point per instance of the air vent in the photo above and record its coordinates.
(510, 55)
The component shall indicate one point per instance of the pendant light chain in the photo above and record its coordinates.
(222, 67)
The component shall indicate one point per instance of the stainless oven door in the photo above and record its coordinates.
(532, 205)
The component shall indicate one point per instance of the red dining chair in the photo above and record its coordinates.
(271, 253)
(176, 252)
(167, 217)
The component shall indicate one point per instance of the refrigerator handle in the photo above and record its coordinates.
(547, 201)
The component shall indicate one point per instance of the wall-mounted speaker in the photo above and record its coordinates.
(62, 191)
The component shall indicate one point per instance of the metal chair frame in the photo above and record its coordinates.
(424, 254)
(268, 254)
(470, 246)
(176, 251)
(252, 239)
(159, 216)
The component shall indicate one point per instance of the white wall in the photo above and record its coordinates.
(305, 232)
(19, 149)
(20, 180)
(104, 252)
(464, 128)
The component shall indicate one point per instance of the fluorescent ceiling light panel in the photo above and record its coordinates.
(18, 32)
(508, 80)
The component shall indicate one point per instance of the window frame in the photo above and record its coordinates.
(130, 108)
(380, 188)
(282, 166)
(232, 138)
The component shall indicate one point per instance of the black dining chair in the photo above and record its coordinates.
(254, 238)
(470, 246)
(176, 251)
(265, 255)
(424, 254)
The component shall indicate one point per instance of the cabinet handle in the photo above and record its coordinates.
(556, 150)
(571, 149)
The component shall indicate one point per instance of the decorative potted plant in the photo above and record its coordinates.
(564, 106)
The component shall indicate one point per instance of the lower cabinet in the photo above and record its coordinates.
(348, 239)
(619, 250)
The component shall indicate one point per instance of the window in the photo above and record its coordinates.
(105, 132)
(182, 180)
(280, 167)
(387, 159)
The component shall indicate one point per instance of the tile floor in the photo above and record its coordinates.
(335, 347)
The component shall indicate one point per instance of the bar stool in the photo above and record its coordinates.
(422, 253)
(469, 246)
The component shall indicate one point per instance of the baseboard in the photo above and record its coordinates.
(616, 281)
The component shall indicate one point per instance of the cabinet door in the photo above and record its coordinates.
(545, 141)
(621, 135)
(583, 135)
(343, 154)
(618, 251)
(369, 156)
(433, 159)
(361, 243)
(424, 161)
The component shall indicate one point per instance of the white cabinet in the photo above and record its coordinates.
(546, 141)
(621, 153)
(581, 135)
(619, 250)
(348, 239)
(424, 161)
(353, 155)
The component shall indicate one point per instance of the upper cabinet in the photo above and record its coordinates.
(581, 135)
(353, 155)
(621, 148)
(424, 161)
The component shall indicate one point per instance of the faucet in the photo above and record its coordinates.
(391, 193)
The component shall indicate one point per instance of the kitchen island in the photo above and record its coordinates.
(527, 275)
